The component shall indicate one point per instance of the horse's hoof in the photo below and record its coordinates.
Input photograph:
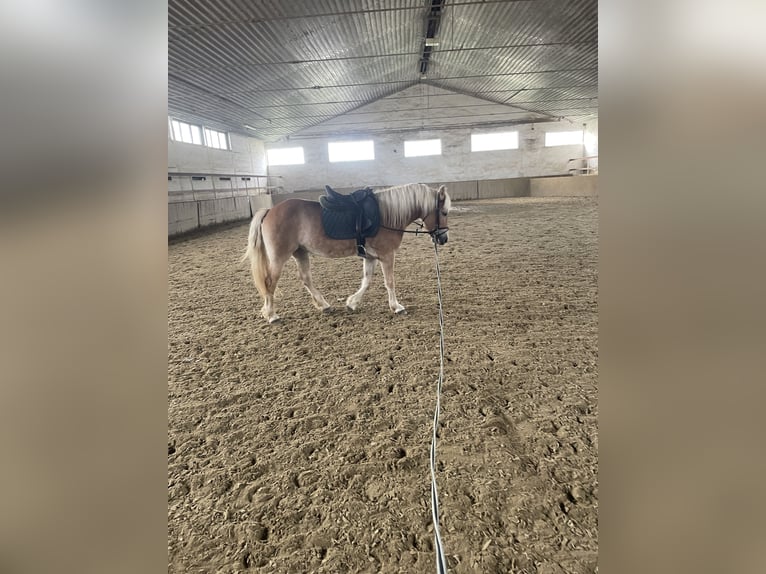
(350, 309)
(275, 319)
(328, 310)
(401, 312)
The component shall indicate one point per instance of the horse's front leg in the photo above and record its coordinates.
(369, 269)
(387, 265)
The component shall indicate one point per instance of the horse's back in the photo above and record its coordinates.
(296, 208)
(296, 203)
(297, 223)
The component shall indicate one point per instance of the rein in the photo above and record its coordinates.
(418, 231)
(441, 561)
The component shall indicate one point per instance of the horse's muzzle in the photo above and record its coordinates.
(440, 236)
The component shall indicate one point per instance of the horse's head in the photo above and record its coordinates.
(436, 220)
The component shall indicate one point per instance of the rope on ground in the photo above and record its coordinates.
(441, 562)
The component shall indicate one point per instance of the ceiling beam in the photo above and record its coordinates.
(213, 95)
(475, 95)
(378, 56)
(259, 19)
(410, 81)
(395, 97)
(432, 24)
(344, 133)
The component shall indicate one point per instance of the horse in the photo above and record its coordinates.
(293, 228)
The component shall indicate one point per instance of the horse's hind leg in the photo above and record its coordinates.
(369, 269)
(267, 310)
(275, 270)
(304, 272)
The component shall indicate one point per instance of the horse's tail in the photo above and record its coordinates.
(256, 252)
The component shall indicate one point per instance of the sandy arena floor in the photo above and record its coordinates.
(303, 446)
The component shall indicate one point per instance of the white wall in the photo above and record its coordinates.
(247, 155)
(591, 143)
(591, 137)
(457, 162)
(580, 186)
(194, 204)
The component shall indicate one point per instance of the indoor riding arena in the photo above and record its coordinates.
(304, 444)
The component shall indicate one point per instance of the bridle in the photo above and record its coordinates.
(438, 231)
(435, 233)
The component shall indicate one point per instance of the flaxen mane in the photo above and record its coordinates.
(398, 203)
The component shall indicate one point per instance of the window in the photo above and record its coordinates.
(422, 147)
(351, 151)
(285, 156)
(187, 133)
(563, 138)
(489, 142)
(215, 139)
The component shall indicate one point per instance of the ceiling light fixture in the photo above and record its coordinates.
(251, 128)
(432, 41)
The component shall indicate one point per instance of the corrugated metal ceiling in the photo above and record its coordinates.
(282, 67)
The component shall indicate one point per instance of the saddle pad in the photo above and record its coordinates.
(342, 224)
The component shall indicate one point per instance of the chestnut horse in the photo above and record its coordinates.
(293, 228)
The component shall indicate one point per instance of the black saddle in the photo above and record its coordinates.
(352, 216)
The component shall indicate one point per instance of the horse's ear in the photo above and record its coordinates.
(442, 192)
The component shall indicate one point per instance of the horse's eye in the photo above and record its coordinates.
(444, 213)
